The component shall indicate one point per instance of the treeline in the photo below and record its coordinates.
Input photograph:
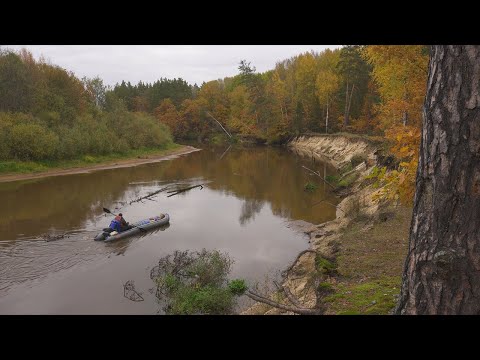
(47, 113)
(363, 89)
(374, 90)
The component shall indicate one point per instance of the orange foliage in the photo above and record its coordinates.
(167, 114)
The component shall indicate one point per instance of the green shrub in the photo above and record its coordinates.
(310, 187)
(323, 265)
(196, 283)
(237, 286)
(204, 300)
(32, 142)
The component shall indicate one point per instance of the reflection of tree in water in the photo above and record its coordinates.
(259, 173)
(250, 208)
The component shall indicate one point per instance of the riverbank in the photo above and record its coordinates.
(354, 262)
(14, 171)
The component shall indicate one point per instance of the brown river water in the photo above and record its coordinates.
(250, 197)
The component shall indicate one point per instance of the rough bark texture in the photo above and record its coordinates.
(345, 120)
(442, 269)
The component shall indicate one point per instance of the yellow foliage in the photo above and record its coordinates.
(401, 75)
(400, 184)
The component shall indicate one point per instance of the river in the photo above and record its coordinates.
(250, 197)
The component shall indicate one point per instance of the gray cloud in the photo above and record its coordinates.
(193, 63)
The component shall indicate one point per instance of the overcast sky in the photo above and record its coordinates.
(193, 63)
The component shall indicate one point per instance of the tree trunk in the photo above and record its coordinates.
(405, 113)
(326, 119)
(404, 118)
(442, 269)
(345, 120)
(350, 100)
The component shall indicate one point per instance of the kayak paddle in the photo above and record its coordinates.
(109, 212)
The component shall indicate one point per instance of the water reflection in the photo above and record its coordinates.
(255, 175)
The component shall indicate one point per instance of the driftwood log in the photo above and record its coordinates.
(178, 191)
(148, 196)
(320, 176)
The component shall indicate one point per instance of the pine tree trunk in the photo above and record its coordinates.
(442, 269)
(345, 120)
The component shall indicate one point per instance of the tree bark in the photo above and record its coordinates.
(404, 118)
(326, 119)
(345, 120)
(442, 269)
(405, 113)
(350, 100)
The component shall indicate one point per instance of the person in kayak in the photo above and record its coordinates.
(119, 224)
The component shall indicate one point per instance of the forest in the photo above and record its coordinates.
(418, 106)
(48, 113)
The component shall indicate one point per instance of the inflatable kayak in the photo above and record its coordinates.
(139, 227)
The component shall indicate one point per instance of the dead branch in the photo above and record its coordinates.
(357, 168)
(225, 152)
(295, 309)
(130, 293)
(218, 122)
(288, 294)
(285, 272)
(186, 189)
(314, 172)
(149, 195)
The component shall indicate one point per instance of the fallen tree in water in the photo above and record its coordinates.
(147, 197)
(178, 191)
(295, 306)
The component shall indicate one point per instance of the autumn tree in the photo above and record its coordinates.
(327, 81)
(242, 120)
(255, 87)
(193, 121)
(305, 76)
(355, 74)
(400, 73)
(442, 269)
(276, 92)
(167, 113)
(214, 96)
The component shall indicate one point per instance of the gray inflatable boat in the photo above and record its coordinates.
(139, 227)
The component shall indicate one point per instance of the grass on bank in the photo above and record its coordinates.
(370, 265)
(25, 167)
